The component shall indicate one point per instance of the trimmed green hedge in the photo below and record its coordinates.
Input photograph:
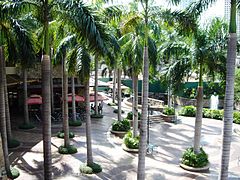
(90, 169)
(67, 150)
(123, 125)
(189, 158)
(130, 115)
(131, 142)
(60, 134)
(14, 173)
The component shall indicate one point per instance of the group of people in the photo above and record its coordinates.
(100, 108)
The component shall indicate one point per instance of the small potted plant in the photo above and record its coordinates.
(168, 114)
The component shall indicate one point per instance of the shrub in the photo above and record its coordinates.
(96, 116)
(130, 115)
(75, 123)
(188, 111)
(60, 134)
(207, 113)
(123, 125)
(131, 142)
(67, 150)
(14, 173)
(116, 111)
(217, 114)
(236, 117)
(91, 168)
(112, 104)
(26, 126)
(13, 143)
(168, 110)
(189, 158)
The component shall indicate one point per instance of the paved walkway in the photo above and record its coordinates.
(171, 139)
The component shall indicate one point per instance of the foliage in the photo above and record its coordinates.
(189, 158)
(123, 125)
(116, 111)
(26, 126)
(236, 117)
(213, 113)
(237, 86)
(14, 173)
(96, 116)
(13, 143)
(75, 123)
(90, 169)
(67, 150)
(130, 115)
(60, 134)
(130, 141)
(188, 111)
(168, 110)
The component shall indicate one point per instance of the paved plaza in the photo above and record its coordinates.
(171, 140)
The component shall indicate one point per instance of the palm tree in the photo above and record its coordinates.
(229, 93)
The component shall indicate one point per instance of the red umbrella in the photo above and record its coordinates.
(34, 99)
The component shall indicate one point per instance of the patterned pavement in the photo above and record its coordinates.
(170, 140)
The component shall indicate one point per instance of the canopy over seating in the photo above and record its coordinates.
(34, 99)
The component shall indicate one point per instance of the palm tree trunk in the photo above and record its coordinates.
(65, 105)
(46, 117)
(119, 73)
(143, 127)
(2, 159)
(26, 114)
(229, 94)
(52, 91)
(74, 118)
(88, 125)
(46, 93)
(96, 85)
(7, 113)
(135, 105)
(198, 120)
(2, 114)
(114, 86)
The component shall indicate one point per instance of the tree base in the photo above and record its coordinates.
(97, 116)
(194, 169)
(116, 111)
(26, 126)
(90, 169)
(120, 134)
(75, 123)
(67, 150)
(14, 174)
(13, 143)
(60, 134)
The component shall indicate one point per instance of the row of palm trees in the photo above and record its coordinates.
(83, 33)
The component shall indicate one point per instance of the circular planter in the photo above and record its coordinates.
(194, 169)
(120, 134)
(169, 118)
(125, 148)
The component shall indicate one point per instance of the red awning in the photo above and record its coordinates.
(34, 99)
(77, 98)
(99, 98)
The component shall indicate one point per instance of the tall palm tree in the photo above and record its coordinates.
(229, 93)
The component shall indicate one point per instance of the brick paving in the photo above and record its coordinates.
(171, 140)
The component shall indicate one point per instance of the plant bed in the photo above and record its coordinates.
(60, 134)
(130, 144)
(14, 173)
(67, 150)
(116, 111)
(97, 116)
(26, 126)
(130, 115)
(131, 123)
(112, 104)
(189, 111)
(120, 128)
(75, 123)
(194, 162)
(13, 143)
(169, 118)
(90, 169)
